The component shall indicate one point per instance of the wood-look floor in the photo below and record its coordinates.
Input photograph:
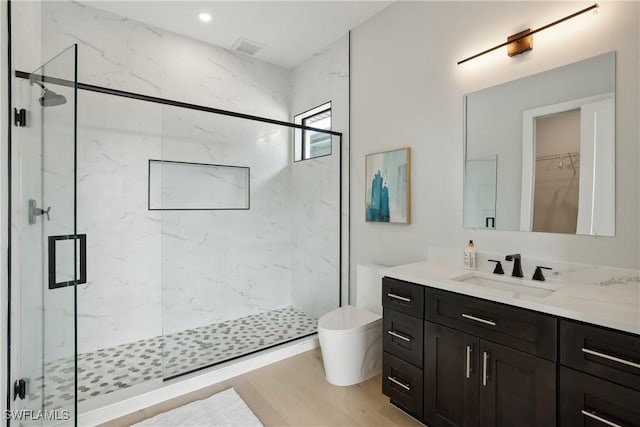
(294, 392)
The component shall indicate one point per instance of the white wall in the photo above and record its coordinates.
(406, 90)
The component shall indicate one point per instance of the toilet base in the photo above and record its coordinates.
(352, 358)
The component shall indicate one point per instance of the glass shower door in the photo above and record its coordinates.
(47, 254)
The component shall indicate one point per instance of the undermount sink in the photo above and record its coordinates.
(508, 285)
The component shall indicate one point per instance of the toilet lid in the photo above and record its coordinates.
(347, 318)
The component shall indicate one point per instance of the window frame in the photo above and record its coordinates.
(300, 135)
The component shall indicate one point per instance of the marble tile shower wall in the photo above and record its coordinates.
(221, 265)
(122, 301)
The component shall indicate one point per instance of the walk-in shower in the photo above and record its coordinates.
(198, 239)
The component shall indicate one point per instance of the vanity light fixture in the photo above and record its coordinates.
(523, 41)
(204, 16)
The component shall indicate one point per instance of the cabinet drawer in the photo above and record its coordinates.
(403, 296)
(402, 382)
(522, 329)
(589, 401)
(611, 355)
(403, 336)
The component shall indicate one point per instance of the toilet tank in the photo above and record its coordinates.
(369, 287)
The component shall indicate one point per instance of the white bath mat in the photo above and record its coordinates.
(222, 409)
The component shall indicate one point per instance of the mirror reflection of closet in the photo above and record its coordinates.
(557, 174)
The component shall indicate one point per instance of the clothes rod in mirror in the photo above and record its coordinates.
(523, 41)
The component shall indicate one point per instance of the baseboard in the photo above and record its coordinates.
(196, 381)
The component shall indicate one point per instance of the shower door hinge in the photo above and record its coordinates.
(20, 117)
(19, 389)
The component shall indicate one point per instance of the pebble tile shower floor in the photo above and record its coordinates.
(107, 370)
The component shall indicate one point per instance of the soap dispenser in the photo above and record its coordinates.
(470, 258)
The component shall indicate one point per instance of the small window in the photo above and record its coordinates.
(310, 144)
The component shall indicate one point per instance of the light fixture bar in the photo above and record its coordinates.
(530, 33)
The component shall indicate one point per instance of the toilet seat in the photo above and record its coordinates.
(347, 320)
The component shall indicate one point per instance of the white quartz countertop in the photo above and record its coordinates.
(613, 305)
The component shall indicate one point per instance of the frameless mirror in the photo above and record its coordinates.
(540, 152)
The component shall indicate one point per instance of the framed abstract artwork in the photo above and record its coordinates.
(388, 186)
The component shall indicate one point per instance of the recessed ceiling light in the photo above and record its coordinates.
(204, 16)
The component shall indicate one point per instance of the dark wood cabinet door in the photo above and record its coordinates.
(516, 388)
(587, 401)
(450, 377)
(402, 336)
(402, 382)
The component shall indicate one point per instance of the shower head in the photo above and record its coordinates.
(49, 98)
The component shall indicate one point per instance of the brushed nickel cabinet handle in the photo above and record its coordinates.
(401, 336)
(398, 297)
(597, 418)
(477, 319)
(400, 383)
(612, 358)
(468, 369)
(485, 359)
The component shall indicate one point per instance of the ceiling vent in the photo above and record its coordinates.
(246, 47)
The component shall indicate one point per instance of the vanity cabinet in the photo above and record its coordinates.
(487, 363)
(454, 360)
(402, 342)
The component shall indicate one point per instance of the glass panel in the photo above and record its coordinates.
(239, 281)
(44, 207)
(119, 308)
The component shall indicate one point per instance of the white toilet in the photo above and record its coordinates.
(351, 337)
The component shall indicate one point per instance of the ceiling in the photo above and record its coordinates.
(291, 31)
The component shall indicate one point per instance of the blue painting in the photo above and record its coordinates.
(388, 186)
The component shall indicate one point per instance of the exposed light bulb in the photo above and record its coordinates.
(204, 17)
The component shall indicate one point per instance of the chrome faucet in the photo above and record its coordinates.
(517, 267)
